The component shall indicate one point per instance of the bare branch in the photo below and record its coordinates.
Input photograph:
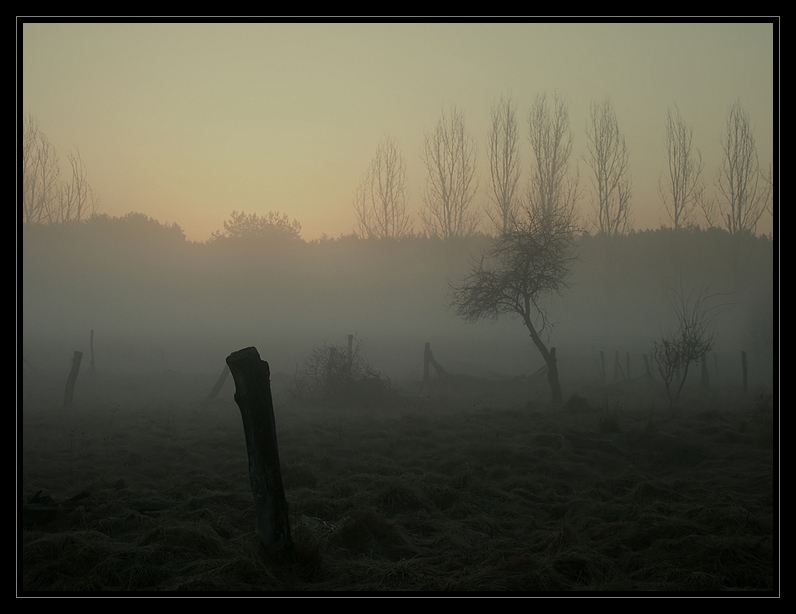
(46, 198)
(380, 201)
(552, 191)
(504, 164)
(608, 160)
(694, 337)
(681, 188)
(450, 157)
(743, 197)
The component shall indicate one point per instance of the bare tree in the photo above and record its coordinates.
(76, 199)
(552, 191)
(504, 164)
(742, 190)
(680, 187)
(525, 264)
(450, 157)
(46, 198)
(769, 185)
(608, 160)
(40, 175)
(694, 337)
(380, 201)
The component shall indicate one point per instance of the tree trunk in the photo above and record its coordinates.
(551, 361)
(552, 378)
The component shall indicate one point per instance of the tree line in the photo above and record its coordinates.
(743, 191)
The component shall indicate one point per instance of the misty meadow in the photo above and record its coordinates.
(467, 477)
(537, 351)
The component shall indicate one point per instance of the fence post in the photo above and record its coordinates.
(91, 347)
(70, 381)
(219, 383)
(426, 361)
(253, 397)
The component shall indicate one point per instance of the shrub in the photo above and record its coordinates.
(334, 373)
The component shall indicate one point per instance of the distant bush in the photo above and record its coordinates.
(335, 373)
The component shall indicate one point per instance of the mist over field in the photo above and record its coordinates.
(157, 302)
(470, 482)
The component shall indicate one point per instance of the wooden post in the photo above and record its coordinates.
(426, 362)
(253, 396)
(70, 381)
(602, 367)
(91, 347)
(743, 368)
(219, 383)
(437, 367)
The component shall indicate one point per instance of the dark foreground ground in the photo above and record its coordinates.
(459, 487)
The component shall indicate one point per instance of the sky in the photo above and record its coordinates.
(188, 122)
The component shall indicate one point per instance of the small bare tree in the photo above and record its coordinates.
(608, 160)
(380, 201)
(504, 164)
(449, 154)
(523, 266)
(694, 337)
(40, 175)
(76, 198)
(743, 192)
(680, 187)
(552, 191)
(46, 197)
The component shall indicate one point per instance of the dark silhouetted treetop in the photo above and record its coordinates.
(134, 227)
(252, 227)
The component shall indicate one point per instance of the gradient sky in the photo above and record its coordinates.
(186, 122)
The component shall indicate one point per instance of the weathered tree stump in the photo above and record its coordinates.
(253, 395)
(70, 381)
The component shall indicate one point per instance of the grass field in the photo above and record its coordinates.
(461, 486)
